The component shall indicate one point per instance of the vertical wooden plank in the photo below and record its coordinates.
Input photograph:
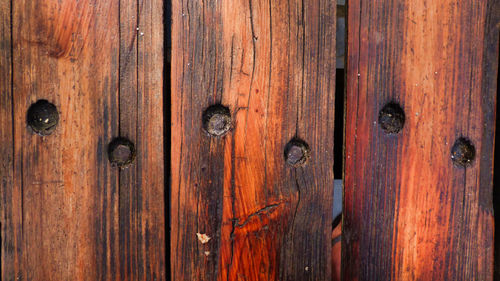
(66, 213)
(9, 219)
(128, 213)
(67, 53)
(410, 213)
(272, 63)
(142, 221)
(151, 196)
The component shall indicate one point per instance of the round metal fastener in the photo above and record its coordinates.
(43, 117)
(391, 118)
(463, 152)
(296, 152)
(121, 152)
(217, 120)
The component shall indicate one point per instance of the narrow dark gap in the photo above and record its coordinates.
(338, 145)
(341, 39)
(167, 20)
(496, 188)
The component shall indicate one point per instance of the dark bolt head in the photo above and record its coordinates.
(391, 118)
(463, 153)
(217, 120)
(121, 152)
(296, 152)
(43, 117)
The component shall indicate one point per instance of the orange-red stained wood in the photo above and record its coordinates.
(409, 213)
(273, 64)
(66, 213)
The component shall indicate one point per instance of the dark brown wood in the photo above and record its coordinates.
(239, 211)
(66, 213)
(9, 198)
(141, 210)
(409, 213)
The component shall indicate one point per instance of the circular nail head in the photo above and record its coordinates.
(121, 152)
(217, 120)
(43, 117)
(296, 152)
(463, 152)
(391, 118)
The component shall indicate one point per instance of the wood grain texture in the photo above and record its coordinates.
(409, 213)
(142, 200)
(273, 64)
(66, 214)
(9, 218)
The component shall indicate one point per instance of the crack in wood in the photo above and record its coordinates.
(259, 212)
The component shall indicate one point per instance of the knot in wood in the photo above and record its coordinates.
(43, 117)
(463, 152)
(121, 152)
(217, 120)
(391, 118)
(296, 152)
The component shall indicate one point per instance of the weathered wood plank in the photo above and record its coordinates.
(409, 213)
(142, 222)
(128, 209)
(67, 214)
(67, 53)
(142, 210)
(272, 63)
(150, 124)
(10, 220)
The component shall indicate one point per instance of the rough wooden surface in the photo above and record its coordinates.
(409, 213)
(142, 186)
(66, 213)
(9, 198)
(273, 64)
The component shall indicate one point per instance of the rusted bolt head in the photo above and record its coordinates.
(391, 118)
(216, 120)
(43, 117)
(121, 152)
(463, 152)
(296, 152)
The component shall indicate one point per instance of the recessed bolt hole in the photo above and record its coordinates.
(391, 118)
(217, 120)
(43, 117)
(296, 152)
(121, 152)
(463, 152)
